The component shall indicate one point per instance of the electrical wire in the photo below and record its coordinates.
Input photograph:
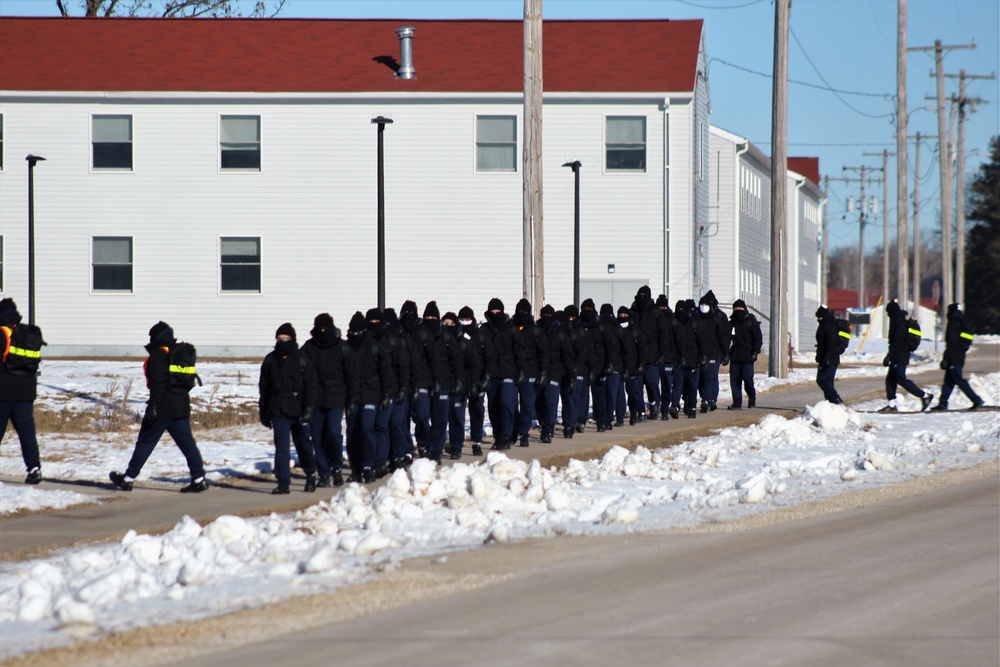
(827, 87)
(700, 6)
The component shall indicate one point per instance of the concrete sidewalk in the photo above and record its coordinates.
(154, 510)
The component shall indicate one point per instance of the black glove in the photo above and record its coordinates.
(350, 408)
(943, 365)
(152, 412)
(753, 357)
(436, 389)
(542, 379)
(384, 402)
(415, 396)
(725, 360)
(885, 360)
(608, 370)
(521, 377)
(265, 421)
(404, 393)
(306, 417)
(459, 387)
(485, 384)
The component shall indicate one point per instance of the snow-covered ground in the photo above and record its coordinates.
(194, 571)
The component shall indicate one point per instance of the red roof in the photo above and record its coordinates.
(807, 166)
(312, 56)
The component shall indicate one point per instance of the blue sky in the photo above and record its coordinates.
(847, 45)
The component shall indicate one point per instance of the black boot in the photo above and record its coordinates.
(477, 449)
(338, 478)
(568, 432)
(310, 484)
(281, 490)
(653, 413)
(524, 441)
(675, 413)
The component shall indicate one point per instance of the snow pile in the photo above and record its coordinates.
(195, 571)
(17, 498)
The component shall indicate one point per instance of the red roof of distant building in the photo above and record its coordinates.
(807, 166)
(315, 56)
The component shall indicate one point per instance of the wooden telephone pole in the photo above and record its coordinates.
(533, 274)
(778, 343)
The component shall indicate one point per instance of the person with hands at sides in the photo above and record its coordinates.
(746, 343)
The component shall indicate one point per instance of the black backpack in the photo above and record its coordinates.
(913, 334)
(843, 336)
(24, 353)
(182, 371)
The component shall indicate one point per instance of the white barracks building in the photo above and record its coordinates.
(221, 174)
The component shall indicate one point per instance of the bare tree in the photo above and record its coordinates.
(171, 8)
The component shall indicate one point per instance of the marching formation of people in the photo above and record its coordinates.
(406, 385)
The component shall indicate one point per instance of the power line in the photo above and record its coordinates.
(700, 6)
(803, 83)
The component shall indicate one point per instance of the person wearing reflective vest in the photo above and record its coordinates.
(167, 409)
(17, 396)
(828, 354)
(958, 336)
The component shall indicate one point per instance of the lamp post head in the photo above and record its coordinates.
(381, 120)
(573, 165)
(32, 159)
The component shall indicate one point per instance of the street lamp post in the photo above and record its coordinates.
(381, 121)
(32, 161)
(575, 166)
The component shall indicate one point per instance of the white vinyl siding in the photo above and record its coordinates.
(239, 143)
(111, 142)
(496, 143)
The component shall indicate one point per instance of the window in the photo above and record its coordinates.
(240, 142)
(625, 143)
(240, 263)
(112, 142)
(113, 263)
(496, 143)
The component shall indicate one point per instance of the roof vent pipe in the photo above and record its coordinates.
(406, 70)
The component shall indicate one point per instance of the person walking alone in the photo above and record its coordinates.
(745, 345)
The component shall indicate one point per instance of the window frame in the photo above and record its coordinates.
(495, 144)
(259, 143)
(94, 289)
(259, 264)
(131, 144)
(608, 169)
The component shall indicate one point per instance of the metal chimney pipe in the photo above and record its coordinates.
(406, 70)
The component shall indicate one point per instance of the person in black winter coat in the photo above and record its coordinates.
(478, 383)
(384, 349)
(465, 370)
(897, 360)
(687, 341)
(958, 337)
(372, 367)
(668, 356)
(497, 333)
(288, 396)
(167, 409)
(576, 402)
(610, 335)
(400, 440)
(531, 359)
(827, 354)
(590, 322)
(655, 330)
(633, 349)
(17, 397)
(561, 364)
(337, 382)
(746, 343)
(422, 354)
(443, 361)
(713, 330)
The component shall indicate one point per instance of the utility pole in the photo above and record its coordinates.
(962, 101)
(862, 210)
(946, 173)
(902, 240)
(777, 357)
(825, 262)
(885, 232)
(533, 278)
(916, 219)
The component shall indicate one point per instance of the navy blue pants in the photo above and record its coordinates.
(953, 378)
(633, 389)
(896, 377)
(525, 406)
(440, 407)
(22, 415)
(361, 438)
(400, 443)
(666, 386)
(708, 384)
(677, 387)
(689, 388)
(581, 400)
(611, 384)
(286, 429)
(501, 397)
(150, 432)
(567, 395)
(598, 393)
(825, 376)
(477, 417)
(328, 440)
(420, 413)
(651, 378)
(456, 420)
(382, 417)
(741, 379)
(548, 406)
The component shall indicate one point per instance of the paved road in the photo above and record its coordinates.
(155, 509)
(909, 582)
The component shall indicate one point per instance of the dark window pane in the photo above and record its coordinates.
(626, 158)
(241, 278)
(241, 159)
(112, 156)
(113, 277)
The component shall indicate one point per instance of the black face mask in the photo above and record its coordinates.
(355, 338)
(285, 347)
(377, 328)
(546, 321)
(588, 316)
(432, 324)
(327, 337)
(495, 318)
(449, 329)
(408, 320)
